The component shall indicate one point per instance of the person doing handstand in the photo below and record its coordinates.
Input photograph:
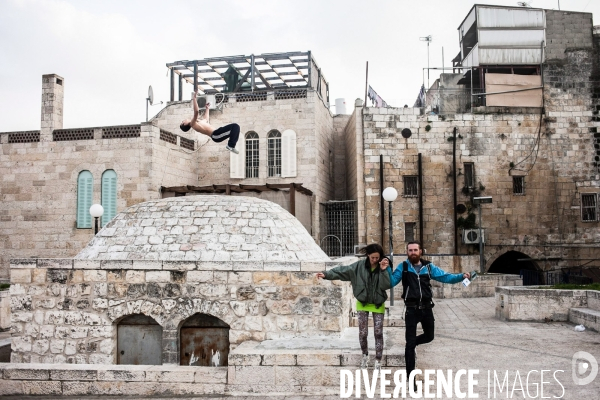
(231, 131)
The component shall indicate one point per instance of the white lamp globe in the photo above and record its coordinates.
(390, 194)
(96, 210)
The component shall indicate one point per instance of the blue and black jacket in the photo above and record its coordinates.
(417, 288)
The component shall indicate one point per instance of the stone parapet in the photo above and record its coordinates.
(67, 311)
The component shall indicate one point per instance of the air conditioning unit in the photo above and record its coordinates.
(471, 236)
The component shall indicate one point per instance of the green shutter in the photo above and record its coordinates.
(85, 184)
(109, 195)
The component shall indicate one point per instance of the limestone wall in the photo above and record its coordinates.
(67, 311)
(566, 29)
(38, 183)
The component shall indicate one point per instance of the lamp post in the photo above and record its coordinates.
(389, 194)
(96, 211)
(479, 201)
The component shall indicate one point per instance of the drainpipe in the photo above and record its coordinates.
(454, 191)
(381, 207)
(420, 166)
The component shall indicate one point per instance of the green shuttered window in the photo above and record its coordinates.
(85, 184)
(109, 195)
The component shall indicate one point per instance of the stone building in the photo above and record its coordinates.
(55, 174)
(540, 165)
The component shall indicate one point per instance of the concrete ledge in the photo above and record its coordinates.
(586, 317)
(529, 304)
(482, 286)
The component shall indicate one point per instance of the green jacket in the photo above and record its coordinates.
(368, 287)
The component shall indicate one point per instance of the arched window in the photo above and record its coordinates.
(109, 195)
(274, 158)
(251, 155)
(85, 187)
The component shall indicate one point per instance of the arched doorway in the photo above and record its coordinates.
(139, 341)
(204, 341)
(508, 263)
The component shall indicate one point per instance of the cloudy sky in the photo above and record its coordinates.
(110, 51)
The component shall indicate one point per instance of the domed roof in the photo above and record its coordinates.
(204, 228)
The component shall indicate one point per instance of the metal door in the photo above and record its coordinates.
(139, 341)
(204, 347)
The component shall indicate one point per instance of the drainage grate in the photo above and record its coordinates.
(24, 137)
(60, 135)
(115, 132)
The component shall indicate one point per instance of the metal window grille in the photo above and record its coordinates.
(339, 228)
(274, 161)
(519, 185)
(409, 231)
(251, 155)
(589, 207)
(411, 186)
(469, 175)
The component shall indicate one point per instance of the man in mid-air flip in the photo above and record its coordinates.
(231, 131)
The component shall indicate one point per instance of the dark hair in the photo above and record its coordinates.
(414, 242)
(185, 127)
(372, 248)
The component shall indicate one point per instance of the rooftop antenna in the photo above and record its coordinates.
(150, 99)
(528, 4)
(427, 39)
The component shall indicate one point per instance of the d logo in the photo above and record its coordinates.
(581, 363)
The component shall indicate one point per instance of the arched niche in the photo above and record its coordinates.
(139, 340)
(204, 341)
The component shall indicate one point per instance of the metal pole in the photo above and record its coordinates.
(95, 225)
(391, 251)
(428, 65)
(454, 204)
(480, 243)
(147, 110)
(366, 84)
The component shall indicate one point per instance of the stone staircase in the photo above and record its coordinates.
(588, 316)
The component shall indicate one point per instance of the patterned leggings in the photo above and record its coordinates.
(363, 329)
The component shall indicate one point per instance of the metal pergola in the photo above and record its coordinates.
(264, 72)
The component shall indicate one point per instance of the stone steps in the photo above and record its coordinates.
(587, 317)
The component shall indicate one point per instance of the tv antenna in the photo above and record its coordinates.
(150, 99)
(427, 39)
(525, 3)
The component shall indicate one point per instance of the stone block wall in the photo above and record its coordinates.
(4, 309)
(38, 184)
(67, 311)
(567, 29)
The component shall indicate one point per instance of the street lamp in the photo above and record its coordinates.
(479, 201)
(389, 194)
(96, 211)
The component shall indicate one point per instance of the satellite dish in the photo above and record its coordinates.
(150, 95)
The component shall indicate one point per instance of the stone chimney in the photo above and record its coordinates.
(52, 105)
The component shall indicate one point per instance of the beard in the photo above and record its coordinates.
(414, 258)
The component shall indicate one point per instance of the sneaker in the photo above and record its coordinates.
(232, 149)
(364, 364)
(377, 365)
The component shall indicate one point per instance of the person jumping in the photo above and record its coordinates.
(231, 131)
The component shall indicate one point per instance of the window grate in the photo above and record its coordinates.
(252, 155)
(274, 156)
(168, 136)
(186, 143)
(469, 175)
(24, 137)
(339, 228)
(409, 231)
(519, 185)
(116, 132)
(61, 135)
(589, 207)
(411, 186)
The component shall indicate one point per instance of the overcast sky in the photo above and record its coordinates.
(109, 52)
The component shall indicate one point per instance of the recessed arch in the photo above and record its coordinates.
(508, 263)
(204, 341)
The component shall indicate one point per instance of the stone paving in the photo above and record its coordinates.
(468, 336)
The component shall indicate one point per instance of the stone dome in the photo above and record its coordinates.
(204, 228)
